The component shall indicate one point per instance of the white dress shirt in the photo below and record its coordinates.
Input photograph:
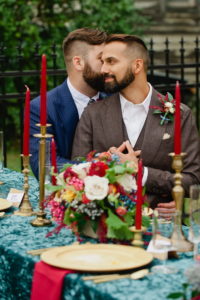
(80, 100)
(134, 116)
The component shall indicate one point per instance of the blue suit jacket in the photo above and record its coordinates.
(62, 114)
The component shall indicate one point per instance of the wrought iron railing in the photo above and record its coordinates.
(165, 68)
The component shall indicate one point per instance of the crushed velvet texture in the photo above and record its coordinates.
(16, 266)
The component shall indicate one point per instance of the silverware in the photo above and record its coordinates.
(38, 251)
(41, 250)
(4, 215)
(109, 277)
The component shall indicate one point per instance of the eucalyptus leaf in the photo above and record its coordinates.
(157, 111)
(53, 188)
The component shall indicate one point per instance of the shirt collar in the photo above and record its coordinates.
(145, 103)
(79, 96)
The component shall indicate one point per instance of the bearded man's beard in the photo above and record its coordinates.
(116, 86)
(93, 79)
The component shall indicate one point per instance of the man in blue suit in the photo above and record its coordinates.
(82, 50)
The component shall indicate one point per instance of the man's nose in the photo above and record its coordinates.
(104, 69)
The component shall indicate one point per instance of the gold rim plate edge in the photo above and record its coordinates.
(4, 204)
(97, 257)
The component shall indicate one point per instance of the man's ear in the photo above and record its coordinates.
(137, 65)
(78, 63)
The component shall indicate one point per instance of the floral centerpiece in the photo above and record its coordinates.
(99, 191)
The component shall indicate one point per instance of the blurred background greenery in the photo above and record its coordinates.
(24, 23)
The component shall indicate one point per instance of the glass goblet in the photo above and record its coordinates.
(194, 230)
(162, 226)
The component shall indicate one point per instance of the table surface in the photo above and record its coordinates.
(16, 266)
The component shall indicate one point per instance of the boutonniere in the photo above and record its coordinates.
(167, 109)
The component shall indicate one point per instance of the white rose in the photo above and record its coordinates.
(81, 169)
(96, 188)
(128, 182)
(172, 110)
(168, 104)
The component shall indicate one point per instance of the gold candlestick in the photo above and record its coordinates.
(178, 239)
(137, 239)
(25, 208)
(41, 215)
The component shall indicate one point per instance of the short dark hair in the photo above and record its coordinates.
(132, 41)
(85, 36)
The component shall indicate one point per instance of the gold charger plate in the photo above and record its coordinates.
(4, 204)
(97, 257)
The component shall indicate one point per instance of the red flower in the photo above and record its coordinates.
(90, 155)
(98, 168)
(85, 200)
(102, 229)
(105, 156)
(69, 173)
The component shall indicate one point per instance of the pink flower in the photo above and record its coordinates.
(77, 183)
(57, 211)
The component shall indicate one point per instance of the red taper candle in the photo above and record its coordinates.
(26, 123)
(177, 122)
(138, 213)
(53, 160)
(43, 92)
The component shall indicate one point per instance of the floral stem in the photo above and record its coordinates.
(163, 119)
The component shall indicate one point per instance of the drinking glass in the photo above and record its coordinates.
(194, 230)
(1, 152)
(162, 226)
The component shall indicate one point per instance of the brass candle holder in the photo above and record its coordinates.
(25, 208)
(41, 219)
(137, 238)
(178, 239)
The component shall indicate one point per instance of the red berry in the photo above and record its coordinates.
(121, 211)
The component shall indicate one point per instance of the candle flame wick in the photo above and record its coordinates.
(27, 88)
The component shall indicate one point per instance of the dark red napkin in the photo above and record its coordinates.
(47, 282)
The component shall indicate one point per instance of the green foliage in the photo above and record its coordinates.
(145, 221)
(72, 216)
(46, 21)
(182, 295)
(53, 188)
(30, 28)
(117, 228)
(116, 170)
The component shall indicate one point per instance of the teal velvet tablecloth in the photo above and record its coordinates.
(16, 266)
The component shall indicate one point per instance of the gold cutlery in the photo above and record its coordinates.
(4, 215)
(109, 277)
(39, 251)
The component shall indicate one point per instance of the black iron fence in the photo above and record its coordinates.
(167, 65)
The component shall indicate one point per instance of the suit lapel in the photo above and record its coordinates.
(153, 132)
(112, 122)
(67, 114)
